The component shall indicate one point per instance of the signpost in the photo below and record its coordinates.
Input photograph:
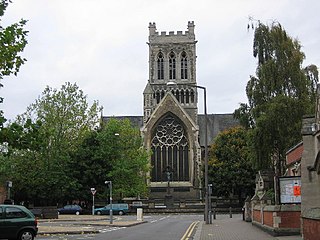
(93, 191)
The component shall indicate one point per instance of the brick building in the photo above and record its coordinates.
(293, 160)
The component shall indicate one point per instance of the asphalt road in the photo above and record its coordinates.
(158, 227)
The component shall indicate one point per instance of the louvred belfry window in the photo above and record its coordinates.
(170, 149)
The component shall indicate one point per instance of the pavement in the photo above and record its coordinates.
(80, 224)
(222, 228)
(226, 228)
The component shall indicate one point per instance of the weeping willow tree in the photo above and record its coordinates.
(279, 94)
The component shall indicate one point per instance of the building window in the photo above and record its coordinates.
(187, 96)
(192, 96)
(170, 150)
(184, 66)
(172, 66)
(182, 96)
(160, 66)
(158, 97)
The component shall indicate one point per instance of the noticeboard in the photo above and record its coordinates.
(290, 189)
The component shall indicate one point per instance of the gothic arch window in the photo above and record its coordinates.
(192, 96)
(184, 65)
(158, 97)
(182, 95)
(187, 96)
(160, 66)
(178, 95)
(172, 65)
(162, 94)
(170, 148)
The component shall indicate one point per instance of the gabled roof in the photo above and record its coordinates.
(169, 104)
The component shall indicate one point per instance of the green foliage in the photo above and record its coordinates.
(43, 141)
(278, 96)
(121, 146)
(89, 168)
(13, 40)
(230, 169)
(65, 115)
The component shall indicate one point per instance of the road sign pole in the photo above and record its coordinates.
(93, 191)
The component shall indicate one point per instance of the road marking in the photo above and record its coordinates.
(189, 231)
(111, 229)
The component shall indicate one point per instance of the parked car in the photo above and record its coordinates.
(17, 222)
(70, 209)
(117, 208)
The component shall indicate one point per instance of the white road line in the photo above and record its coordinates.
(110, 229)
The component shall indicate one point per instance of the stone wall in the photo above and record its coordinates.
(310, 179)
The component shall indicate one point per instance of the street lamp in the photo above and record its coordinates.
(110, 211)
(206, 207)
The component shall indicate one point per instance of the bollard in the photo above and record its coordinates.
(210, 217)
(139, 214)
(230, 212)
(243, 212)
(214, 213)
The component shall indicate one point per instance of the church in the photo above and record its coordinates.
(171, 127)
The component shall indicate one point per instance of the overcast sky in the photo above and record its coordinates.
(101, 45)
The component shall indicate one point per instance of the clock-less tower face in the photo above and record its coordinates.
(170, 113)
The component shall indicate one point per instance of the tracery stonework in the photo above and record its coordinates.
(170, 148)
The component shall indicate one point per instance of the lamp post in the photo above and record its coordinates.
(206, 206)
(110, 211)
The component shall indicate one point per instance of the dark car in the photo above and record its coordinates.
(17, 222)
(70, 209)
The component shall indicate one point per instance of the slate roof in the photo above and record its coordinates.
(216, 124)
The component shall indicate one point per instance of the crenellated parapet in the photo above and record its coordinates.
(171, 36)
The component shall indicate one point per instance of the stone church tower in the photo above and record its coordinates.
(170, 122)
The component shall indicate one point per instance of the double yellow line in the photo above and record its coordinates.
(189, 231)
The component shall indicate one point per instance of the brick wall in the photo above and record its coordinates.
(289, 219)
(295, 154)
(278, 219)
(256, 215)
(311, 229)
(268, 218)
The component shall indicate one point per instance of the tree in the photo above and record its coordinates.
(13, 40)
(89, 168)
(46, 137)
(19, 158)
(121, 147)
(230, 168)
(278, 96)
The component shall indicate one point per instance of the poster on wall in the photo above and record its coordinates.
(290, 189)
